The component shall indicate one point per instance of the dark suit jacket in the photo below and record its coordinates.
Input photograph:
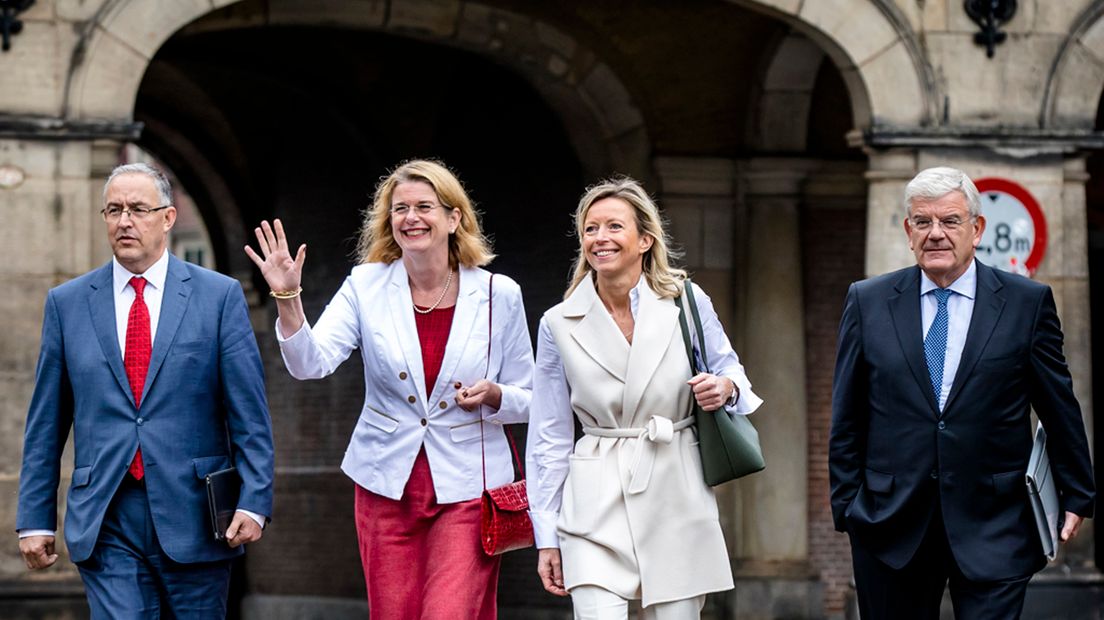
(203, 409)
(894, 459)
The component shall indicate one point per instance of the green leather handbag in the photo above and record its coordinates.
(729, 444)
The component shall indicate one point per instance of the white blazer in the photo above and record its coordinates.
(373, 310)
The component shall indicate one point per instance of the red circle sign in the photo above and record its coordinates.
(1015, 234)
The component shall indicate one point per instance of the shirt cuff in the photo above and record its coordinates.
(261, 520)
(29, 533)
(280, 339)
(544, 529)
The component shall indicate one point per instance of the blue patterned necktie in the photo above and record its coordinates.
(935, 345)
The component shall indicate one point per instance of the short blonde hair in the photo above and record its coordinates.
(467, 246)
(661, 276)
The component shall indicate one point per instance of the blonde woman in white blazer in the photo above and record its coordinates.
(417, 308)
(624, 514)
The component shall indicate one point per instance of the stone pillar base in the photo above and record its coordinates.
(767, 590)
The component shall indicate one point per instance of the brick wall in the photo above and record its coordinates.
(833, 240)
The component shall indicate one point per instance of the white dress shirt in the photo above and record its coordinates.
(552, 421)
(960, 309)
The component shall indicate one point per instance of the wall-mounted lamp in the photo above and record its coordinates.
(989, 15)
(9, 25)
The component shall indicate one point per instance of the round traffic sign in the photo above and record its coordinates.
(1015, 230)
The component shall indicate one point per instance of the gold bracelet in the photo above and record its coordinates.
(286, 294)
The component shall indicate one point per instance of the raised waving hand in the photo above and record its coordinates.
(283, 273)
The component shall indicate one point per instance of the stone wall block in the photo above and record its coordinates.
(686, 221)
(478, 26)
(602, 89)
(903, 104)
(631, 154)
(790, 7)
(1055, 17)
(435, 17)
(886, 243)
(341, 13)
(856, 25)
(1076, 92)
(42, 10)
(77, 10)
(783, 124)
(795, 65)
(717, 235)
(935, 16)
(556, 40)
(145, 25)
(106, 89)
(31, 72)
(1008, 92)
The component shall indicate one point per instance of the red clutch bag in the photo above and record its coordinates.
(504, 523)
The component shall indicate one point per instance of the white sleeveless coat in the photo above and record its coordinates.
(649, 532)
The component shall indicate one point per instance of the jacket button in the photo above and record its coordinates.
(934, 475)
(411, 399)
(402, 376)
(140, 421)
(443, 405)
(424, 422)
(942, 425)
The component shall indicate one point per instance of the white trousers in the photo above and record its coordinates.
(594, 603)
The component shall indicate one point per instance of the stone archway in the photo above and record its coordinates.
(1077, 76)
(873, 46)
(607, 129)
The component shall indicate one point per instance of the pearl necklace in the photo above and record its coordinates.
(448, 281)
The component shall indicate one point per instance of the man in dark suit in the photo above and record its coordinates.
(937, 370)
(153, 364)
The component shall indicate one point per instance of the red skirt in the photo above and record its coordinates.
(423, 560)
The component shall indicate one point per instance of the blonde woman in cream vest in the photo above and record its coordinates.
(624, 514)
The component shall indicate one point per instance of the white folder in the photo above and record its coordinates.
(1043, 495)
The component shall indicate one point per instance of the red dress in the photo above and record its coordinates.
(423, 560)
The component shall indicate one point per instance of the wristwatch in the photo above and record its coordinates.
(731, 402)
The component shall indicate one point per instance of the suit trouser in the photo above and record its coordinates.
(595, 603)
(423, 560)
(128, 575)
(916, 590)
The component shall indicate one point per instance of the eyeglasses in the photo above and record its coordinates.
(421, 209)
(949, 224)
(113, 213)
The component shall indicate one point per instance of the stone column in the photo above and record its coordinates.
(773, 504)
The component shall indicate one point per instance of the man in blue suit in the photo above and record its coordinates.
(153, 364)
(938, 368)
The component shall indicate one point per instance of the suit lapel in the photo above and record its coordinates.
(596, 333)
(174, 303)
(101, 305)
(401, 304)
(904, 310)
(468, 301)
(656, 319)
(988, 305)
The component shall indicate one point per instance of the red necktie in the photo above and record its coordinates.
(136, 356)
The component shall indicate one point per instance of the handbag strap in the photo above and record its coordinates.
(686, 338)
(697, 323)
(486, 373)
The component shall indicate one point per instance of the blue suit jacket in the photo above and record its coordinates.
(894, 458)
(203, 409)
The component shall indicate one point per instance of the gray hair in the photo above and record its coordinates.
(935, 183)
(160, 181)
